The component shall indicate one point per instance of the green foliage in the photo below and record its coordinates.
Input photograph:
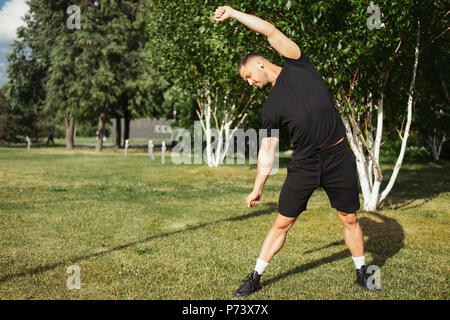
(24, 110)
(14, 122)
(432, 110)
(152, 57)
(198, 55)
(357, 62)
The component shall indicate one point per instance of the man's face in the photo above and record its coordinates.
(255, 74)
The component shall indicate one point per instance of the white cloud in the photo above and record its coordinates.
(10, 17)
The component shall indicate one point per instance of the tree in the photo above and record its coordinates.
(27, 70)
(196, 54)
(433, 100)
(12, 120)
(96, 70)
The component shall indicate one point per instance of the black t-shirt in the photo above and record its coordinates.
(301, 101)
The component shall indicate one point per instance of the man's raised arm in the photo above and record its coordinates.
(282, 44)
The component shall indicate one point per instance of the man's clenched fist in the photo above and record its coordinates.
(223, 13)
(253, 199)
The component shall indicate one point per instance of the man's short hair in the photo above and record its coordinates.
(246, 58)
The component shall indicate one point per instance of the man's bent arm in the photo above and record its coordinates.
(282, 44)
(266, 159)
(256, 24)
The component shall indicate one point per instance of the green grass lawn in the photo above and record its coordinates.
(140, 230)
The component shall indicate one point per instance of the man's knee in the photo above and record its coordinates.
(283, 222)
(348, 219)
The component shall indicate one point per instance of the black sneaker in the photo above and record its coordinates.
(362, 279)
(251, 284)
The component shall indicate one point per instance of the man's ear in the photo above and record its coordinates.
(260, 63)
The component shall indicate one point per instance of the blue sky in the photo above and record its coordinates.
(3, 47)
(4, 50)
(11, 12)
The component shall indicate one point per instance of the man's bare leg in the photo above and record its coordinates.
(272, 245)
(354, 240)
(353, 235)
(275, 237)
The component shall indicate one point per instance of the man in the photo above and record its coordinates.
(300, 100)
(50, 135)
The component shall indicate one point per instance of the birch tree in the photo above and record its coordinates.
(201, 56)
(369, 169)
(223, 117)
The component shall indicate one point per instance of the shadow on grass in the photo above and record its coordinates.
(424, 184)
(270, 208)
(385, 239)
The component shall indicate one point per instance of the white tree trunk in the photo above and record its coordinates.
(369, 172)
(372, 204)
(398, 164)
(226, 136)
(435, 143)
(222, 135)
(361, 161)
(208, 133)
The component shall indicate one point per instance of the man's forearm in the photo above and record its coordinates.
(256, 24)
(265, 163)
(260, 180)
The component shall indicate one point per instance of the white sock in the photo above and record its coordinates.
(261, 265)
(359, 262)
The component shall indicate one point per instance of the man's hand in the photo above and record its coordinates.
(253, 199)
(223, 13)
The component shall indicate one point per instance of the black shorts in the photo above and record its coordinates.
(334, 169)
